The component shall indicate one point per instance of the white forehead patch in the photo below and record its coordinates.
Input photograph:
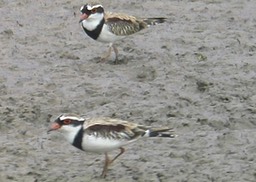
(89, 7)
(82, 7)
(63, 117)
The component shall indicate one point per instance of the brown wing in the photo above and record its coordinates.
(113, 128)
(122, 24)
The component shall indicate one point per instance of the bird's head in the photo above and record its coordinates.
(91, 12)
(66, 122)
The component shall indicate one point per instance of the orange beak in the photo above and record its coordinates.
(54, 126)
(83, 17)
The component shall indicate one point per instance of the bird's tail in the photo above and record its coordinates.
(160, 132)
(154, 21)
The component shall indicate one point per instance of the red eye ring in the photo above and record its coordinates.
(94, 10)
(67, 121)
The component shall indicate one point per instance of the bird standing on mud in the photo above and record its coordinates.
(109, 27)
(103, 134)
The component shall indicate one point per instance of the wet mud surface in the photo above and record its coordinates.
(196, 73)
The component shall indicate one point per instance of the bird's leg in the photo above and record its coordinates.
(107, 54)
(122, 150)
(106, 164)
(116, 53)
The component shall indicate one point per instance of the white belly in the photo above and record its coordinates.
(99, 145)
(107, 36)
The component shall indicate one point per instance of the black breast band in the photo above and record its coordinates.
(78, 139)
(94, 34)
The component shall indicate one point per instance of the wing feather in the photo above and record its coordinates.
(113, 128)
(122, 24)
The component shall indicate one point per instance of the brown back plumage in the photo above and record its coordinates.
(122, 24)
(124, 130)
(112, 128)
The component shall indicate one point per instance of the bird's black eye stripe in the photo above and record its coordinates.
(94, 10)
(70, 121)
(100, 10)
(97, 10)
(67, 121)
(59, 121)
(85, 10)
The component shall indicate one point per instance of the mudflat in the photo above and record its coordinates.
(195, 73)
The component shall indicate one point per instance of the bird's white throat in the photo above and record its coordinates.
(70, 132)
(92, 21)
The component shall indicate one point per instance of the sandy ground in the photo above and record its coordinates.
(196, 73)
